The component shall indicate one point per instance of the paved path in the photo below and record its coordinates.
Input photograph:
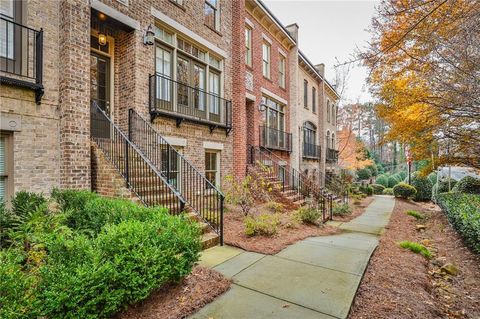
(314, 278)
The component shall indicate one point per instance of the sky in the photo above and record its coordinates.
(331, 30)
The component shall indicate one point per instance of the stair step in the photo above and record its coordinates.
(210, 239)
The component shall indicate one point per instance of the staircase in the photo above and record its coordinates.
(294, 185)
(158, 175)
(338, 187)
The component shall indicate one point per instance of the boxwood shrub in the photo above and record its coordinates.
(75, 266)
(367, 190)
(423, 186)
(388, 191)
(463, 212)
(468, 184)
(382, 180)
(377, 188)
(404, 190)
(393, 180)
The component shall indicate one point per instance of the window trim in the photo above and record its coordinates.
(217, 166)
(266, 64)
(9, 167)
(328, 111)
(305, 94)
(216, 14)
(314, 99)
(248, 46)
(282, 66)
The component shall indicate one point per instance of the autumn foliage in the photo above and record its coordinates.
(352, 152)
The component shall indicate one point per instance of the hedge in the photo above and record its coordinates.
(393, 180)
(377, 188)
(404, 190)
(423, 186)
(442, 187)
(78, 266)
(463, 212)
(468, 184)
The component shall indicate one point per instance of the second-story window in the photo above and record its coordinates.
(211, 14)
(10, 12)
(314, 100)
(266, 59)
(281, 72)
(248, 46)
(305, 94)
(328, 111)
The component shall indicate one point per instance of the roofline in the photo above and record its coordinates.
(314, 69)
(275, 19)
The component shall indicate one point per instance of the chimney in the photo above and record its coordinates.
(321, 69)
(293, 30)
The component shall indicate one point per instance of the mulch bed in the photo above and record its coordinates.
(176, 301)
(401, 284)
(357, 210)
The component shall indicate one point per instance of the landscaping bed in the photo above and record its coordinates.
(357, 209)
(288, 230)
(401, 284)
(180, 300)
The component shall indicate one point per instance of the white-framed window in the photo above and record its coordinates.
(328, 111)
(212, 167)
(7, 11)
(248, 46)
(281, 71)
(212, 17)
(214, 84)
(266, 48)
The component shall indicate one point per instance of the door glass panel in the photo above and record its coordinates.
(100, 94)
(199, 82)
(182, 77)
(215, 91)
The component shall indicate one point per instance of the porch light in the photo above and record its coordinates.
(262, 107)
(149, 37)
(102, 39)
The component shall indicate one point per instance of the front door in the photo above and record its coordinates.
(100, 94)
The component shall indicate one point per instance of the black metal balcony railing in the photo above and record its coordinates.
(184, 102)
(311, 151)
(275, 139)
(21, 56)
(332, 155)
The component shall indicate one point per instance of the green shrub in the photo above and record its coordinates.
(274, 207)
(423, 186)
(393, 180)
(402, 175)
(388, 191)
(468, 184)
(367, 190)
(373, 169)
(432, 177)
(308, 215)
(70, 199)
(404, 190)
(377, 188)
(442, 187)
(463, 212)
(342, 209)
(416, 248)
(415, 214)
(24, 202)
(263, 224)
(364, 173)
(382, 180)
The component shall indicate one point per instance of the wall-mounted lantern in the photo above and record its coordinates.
(102, 39)
(262, 107)
(149, 37)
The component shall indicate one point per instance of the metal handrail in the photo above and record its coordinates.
(199, 193)
(311, 150)
(133, 165)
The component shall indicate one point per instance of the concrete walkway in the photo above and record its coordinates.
(313, 278)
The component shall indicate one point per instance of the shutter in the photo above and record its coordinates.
(3, 178)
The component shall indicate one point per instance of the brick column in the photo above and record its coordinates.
(74, 94)
(238, 82)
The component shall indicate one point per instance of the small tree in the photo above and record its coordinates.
(238, 192)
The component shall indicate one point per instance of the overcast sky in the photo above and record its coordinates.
(329, 30)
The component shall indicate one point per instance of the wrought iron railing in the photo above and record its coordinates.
(141, 175)
(337, 185)
(332, 155)
(291, 179)
(21, 50)
(179, 100)
(275, 139)
(199, 193)
(311, 151)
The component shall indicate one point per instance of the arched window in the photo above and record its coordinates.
(328, 139)
(333, 140)
(309, 133)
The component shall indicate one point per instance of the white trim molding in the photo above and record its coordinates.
(250, 96)
(250, 23)
(10, 122)
(266, 38)
(182, 29)
(282, 52)
(176, 141)
(213, 146)
(115, 14)
(274, 96)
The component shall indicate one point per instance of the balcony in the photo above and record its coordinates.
(275, 139)
(332, 155)
(311, 151)
(21, 56)
(186, 103)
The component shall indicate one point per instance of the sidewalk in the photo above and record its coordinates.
(314, 278)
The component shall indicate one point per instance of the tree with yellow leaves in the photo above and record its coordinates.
(425, 69)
